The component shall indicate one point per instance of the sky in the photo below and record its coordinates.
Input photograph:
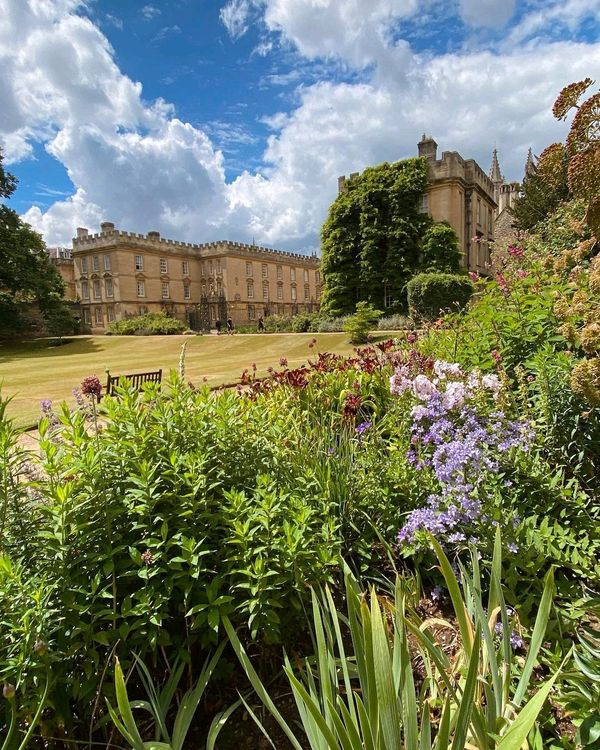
(232, 119)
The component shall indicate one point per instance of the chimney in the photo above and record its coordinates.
(81, 233)
(154, 235)
(341, 184)
(107, 226)
(428, 148)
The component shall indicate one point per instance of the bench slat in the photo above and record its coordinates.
(137, 379)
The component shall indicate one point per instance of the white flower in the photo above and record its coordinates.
(444, 369)
(491, 383)
(454, 396)
(423, 388)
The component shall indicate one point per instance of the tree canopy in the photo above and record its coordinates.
(26, 273)
(374, 237)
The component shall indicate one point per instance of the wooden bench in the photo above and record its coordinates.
(136, 379)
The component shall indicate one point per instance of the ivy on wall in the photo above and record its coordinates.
(373, 237)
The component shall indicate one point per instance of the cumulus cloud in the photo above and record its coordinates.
(134, 162)
(234, 16)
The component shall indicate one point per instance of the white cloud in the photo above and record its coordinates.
(234, 15)
(114, 21)
(165, 32)
(487, 12)
(135, 163)
(150, 11)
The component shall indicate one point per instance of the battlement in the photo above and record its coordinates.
(109, 237)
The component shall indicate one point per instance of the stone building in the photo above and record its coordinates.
(62, 258)
(120, 274)
(460, 193)
(505, 195)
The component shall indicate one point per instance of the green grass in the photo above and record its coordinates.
(32, 370)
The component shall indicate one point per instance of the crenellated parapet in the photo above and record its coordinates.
(110, 237)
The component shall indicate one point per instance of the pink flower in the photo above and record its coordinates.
(283, 362)
(473, 276)
(411, 338)
(521, 273)
(496, 356)
(515, 251)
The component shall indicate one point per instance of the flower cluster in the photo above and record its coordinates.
(91, 386)
(460, 435)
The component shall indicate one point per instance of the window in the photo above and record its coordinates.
(479, 210)
(251, 312)
(165, 289)
(292, 274)
(248, 269)
(95, 262)
(163, 265)
(203, 268)
(265, 270)
(424, 204)
(250, 290)
(219, 288)
(218, 265)
(306, 275)
(108, 287)
(107, 263)
(306, 293)
(210, 266)
(84, 265)
(141, 289)
(186, 292)
(489, 227)
(139, 263)
(293, 293)
(85, 290)
(98, 319)
(266, 290)
(97, 292)
(279, 291)
(110, 313)
(185, 267)
(279, 273)
(317, 277)
(204, 290)
(87, 316)
(387, 296)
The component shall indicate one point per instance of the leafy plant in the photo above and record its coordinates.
(429, 294)
(370, 699)
(159, 706)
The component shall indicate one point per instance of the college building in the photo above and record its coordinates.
(121, 274)
(460, 193)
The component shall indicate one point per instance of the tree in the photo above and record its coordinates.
(371, 238)
(544, 189)
(26, 273)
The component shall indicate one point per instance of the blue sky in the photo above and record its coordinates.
(210, 119)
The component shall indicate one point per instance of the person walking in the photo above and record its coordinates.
(218, 326)
(229, 327)
(261, 324)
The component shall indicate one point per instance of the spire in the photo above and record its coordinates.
(530, 164)
(495, 173)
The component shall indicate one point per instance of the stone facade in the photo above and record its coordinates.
(460, 193)
(120, 274)
(62, 258)
(505, 195)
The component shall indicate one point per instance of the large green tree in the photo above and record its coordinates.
(373, 237)
(26, 273)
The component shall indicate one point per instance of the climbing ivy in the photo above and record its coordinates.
(373, 235)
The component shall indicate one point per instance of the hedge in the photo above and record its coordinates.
(150, 324)
(429, 294)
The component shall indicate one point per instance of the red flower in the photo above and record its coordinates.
(352, 404)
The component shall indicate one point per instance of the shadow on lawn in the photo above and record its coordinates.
(11, 349)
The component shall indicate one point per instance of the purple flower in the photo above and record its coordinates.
(516, 641)
(46, 405)
(363, 427)
(512, 547)
(436, 593)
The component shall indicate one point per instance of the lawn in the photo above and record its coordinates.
(31, 371)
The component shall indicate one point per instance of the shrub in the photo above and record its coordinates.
(360, 324)
(395, 323)
(332, 325)
(304, 322)
(151, 324)
(429, 294)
